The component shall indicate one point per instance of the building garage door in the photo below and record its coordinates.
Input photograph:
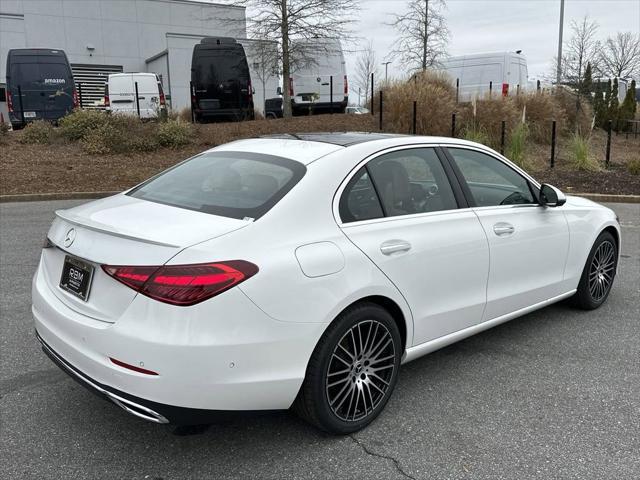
(90, 81)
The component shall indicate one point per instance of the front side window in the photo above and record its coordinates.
(491, 181)
(231, 184)
(411, 181)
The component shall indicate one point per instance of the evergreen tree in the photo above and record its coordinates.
(599, 108)
(586, 84)
(614, 105)
(626, 111)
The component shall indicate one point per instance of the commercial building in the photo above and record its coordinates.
(110, 36)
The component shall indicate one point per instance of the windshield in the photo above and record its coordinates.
(231, 184)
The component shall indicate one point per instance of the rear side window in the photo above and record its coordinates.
(231, 184)
(411, 181)
(359, 200)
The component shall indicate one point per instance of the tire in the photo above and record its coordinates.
(342, 393)
(598, 273)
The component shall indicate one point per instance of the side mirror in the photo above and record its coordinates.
(550, 196)
(279, 91)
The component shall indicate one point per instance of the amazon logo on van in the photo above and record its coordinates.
(54, 81)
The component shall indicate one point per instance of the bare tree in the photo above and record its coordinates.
(422, 34)
(264, 54)
(581, 49)
(366, 64)
(620, 55)
(294, 24)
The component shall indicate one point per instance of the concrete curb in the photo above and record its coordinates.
(39, 197)
(606, 198)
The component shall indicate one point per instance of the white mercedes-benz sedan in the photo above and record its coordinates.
(302, 270)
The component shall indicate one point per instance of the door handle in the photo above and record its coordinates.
(503, 229)
(394, 246)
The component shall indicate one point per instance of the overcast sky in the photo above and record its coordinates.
(479, 26)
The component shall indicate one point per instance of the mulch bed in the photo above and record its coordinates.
(64, 167)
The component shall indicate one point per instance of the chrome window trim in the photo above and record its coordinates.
(480, 149)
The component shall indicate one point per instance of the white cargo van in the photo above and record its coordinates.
(502, 73)
(120, 94)
(321, 63)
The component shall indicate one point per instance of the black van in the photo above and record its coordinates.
(43, 77)
(220, 81)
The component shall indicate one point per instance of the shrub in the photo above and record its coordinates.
(475, 133)
(541, 109)
(121, 134)
(581, 155)
(435, 103)
(174, 133)
(38, 132)
(81, 123)
(518, 144)
(489, 114)
(579, 112)
(633, 166)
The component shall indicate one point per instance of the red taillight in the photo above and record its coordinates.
(346, 86)
(163, 100)
(183, 285)
(290, 87)
(250, 92)
(76, 100)
(132, 367)
(505, 89)
(107, 102)
(9, 101)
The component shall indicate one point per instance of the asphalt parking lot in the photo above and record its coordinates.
(554, 394)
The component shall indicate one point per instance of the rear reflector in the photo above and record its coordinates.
(183, 285)
(132, 367)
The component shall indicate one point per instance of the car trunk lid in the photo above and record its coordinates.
(120, 230)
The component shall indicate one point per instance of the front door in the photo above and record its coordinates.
(528, 243)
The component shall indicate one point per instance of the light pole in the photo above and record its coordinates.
(386, 70)
(559, 67)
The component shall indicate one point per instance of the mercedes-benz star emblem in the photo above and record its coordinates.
(69, 237)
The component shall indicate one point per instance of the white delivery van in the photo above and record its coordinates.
(502, 73)
(120, 94)
(320, 63)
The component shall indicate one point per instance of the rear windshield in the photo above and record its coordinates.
(41, 76)
(231, 184)
(220, 66)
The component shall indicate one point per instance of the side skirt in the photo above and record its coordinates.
(432, 345)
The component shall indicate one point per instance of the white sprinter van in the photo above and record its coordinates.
(311, 78)
(504, 73)
(120, 94)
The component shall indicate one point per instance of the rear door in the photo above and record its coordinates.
(148, 95)
(401, 210)
(528, 243)
(121, 94)
(222, 78)
(46, 85)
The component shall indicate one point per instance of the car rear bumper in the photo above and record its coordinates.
(221, 355)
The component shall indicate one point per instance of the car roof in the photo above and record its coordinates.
(308, 147)
(344, 139)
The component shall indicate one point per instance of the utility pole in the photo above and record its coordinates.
(386, 70)
(425, 38)
(559, 67)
